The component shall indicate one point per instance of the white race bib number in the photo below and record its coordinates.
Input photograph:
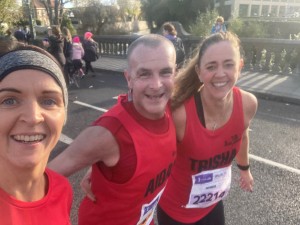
(209, 187)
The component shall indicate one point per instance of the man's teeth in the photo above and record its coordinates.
(28, 138)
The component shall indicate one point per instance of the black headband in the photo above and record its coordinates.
(29, 59)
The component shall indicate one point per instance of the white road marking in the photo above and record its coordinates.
(90, 106)
(65, 139)
(272, 163)
(279, 117)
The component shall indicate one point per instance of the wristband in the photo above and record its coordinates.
(243, 167)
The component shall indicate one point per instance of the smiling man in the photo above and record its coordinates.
(132, 147)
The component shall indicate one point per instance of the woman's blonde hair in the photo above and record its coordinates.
(220, 19)
(56, 30)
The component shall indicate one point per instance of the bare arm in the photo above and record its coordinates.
(249, 109)
(242, 158)
(90, 146)
(179, 117)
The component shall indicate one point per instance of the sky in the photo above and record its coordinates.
(70, 5)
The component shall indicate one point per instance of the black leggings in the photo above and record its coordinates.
(88, 66)
(215, 217)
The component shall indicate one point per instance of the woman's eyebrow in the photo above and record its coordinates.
(9, 90)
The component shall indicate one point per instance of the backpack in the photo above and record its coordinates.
(91, 51)
(180, 53)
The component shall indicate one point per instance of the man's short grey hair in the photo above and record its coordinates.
(149, 40)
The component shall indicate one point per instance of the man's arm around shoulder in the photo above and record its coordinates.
(93, 144)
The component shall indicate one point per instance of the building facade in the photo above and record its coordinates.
(38, 10)
(259, 8)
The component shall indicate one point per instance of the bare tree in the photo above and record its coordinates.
(55, 10)
(129, 9)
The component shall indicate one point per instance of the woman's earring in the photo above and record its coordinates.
(129, 95)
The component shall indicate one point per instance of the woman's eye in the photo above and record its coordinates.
(49, 102)
(9, 101)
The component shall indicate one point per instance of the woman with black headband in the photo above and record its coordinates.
(33, 110)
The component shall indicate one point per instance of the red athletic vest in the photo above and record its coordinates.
(53, 209)
(201, 150)
(133, 202)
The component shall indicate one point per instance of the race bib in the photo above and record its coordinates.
(147, 211)
(209, 187)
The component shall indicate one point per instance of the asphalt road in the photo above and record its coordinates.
(274, 148)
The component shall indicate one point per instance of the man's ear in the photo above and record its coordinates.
(127, 77)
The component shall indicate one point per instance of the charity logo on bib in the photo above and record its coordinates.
(147, 211)
(209, 187)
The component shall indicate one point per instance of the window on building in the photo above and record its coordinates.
(265, 10)
(243, 10)
(274, 10)
(255, 10)
(282, 11)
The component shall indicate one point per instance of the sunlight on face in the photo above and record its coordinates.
(32, 115)
(220, 68)
(151, 78)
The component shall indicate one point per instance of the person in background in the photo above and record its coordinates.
(56, 45)
(77, 55)
(8, 41)
(170, 32)
(212, 118)
(219, 25)
(68, 53)
(9, 36)
(90, 52)
(20, 35)
(45, 43)
(33, 110)
(132, 146)
(27, 34)
(45, 40)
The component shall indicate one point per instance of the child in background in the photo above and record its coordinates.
(77, 54)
